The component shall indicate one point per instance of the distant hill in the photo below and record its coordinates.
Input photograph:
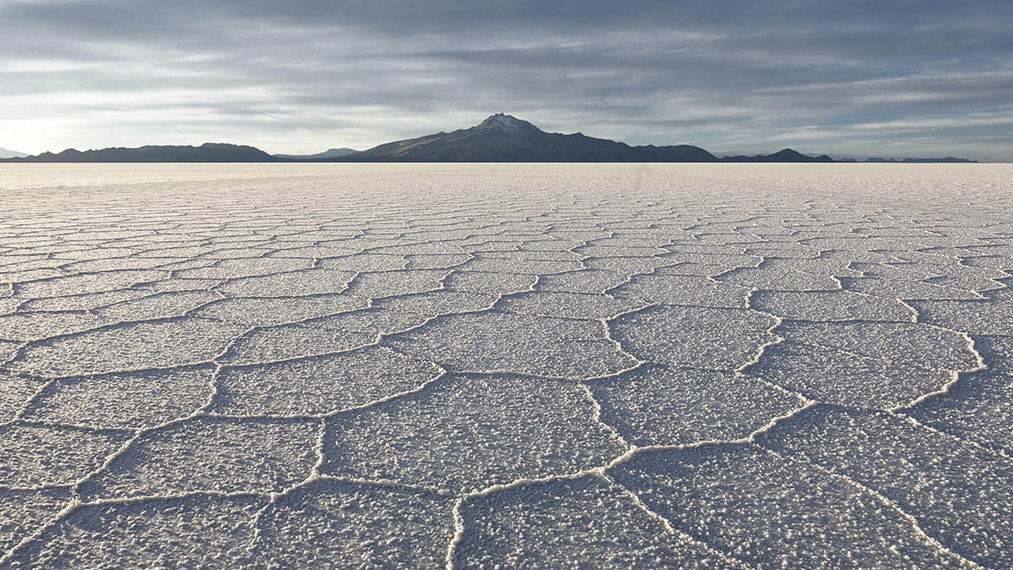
(208, 152)
(947, 160)
(4, 153)
(331, 153)
(503, 138)
(786, 155)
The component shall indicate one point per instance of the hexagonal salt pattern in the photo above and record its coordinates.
(186, 532)
(960, 494)
(771, 512)
(335, 524)
(506, 366)
(235, 456)
(586, 522)
(467, 432)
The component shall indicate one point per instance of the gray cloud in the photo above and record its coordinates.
(854, 78)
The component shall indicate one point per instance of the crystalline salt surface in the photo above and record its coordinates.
(158, 344)
(699, 337)
(828, 375)
(320, 385)
(187, 532)
(137, 400)
(35, 456)
(349, 525)
(710, 405)
(583, 522)
(255, 456)
(15, 392)
(568, 305)
(267, 312)
(488, 341)
(830, 306)
(979, 408)
(683, 290)
(289, 284)
(34, 326)
(469, 432)
(772, 512)
(26, 511)
(583, 281)
(287, 342)
(960, 494)
(410, 366)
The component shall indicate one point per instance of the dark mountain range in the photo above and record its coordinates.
(947, 160)
(330, 153)
(208, 152)
(503, 138)
(500, 138)
(786, 155)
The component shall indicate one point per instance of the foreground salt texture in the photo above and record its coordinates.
(510, 367)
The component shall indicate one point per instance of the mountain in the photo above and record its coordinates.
(331, 153)
(789, 155)
(4, 153)
(208, 152)
(500, 138)
(785, 155)
(503, 138)
(947, 160)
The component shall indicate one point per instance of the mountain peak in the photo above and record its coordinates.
(507, 124)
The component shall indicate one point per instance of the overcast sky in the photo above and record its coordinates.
(875, 77)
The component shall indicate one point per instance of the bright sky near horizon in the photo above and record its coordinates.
(898, 78)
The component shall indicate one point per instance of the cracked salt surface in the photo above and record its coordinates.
(336, 524)
(495, 366)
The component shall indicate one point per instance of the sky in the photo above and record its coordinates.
(889, 78)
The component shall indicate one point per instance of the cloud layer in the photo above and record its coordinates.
(892, 78)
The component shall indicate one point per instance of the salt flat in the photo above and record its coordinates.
(506, 366)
